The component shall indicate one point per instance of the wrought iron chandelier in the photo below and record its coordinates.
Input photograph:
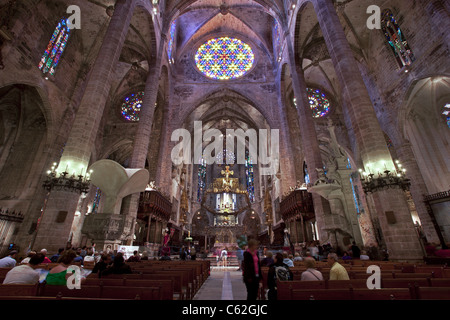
(66, 182)
(387, 179)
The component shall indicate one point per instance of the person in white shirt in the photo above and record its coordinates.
(27, 259)
(9, 261)
(25, 273)
(311, 274)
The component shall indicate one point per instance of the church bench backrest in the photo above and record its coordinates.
(398, 275)
(432, 293)
(384, 294)
(86, 291)
(176, 278)
(404, 283)
(321, 294)
(438, 271)
(166, 286)
(143, 293)
(4, 271)
(444, 282)
(384, 275)
(446, 273)
(346, 284)
(284, 288)
(18, 289)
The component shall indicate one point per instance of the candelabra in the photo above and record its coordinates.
(387, 179)
(66, 182)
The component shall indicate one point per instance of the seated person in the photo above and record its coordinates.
(287, 261)
(27, 259)
(119, 267)
(9, 261)
(55, 257)
(58, 275)
(297, 257)
(346, 256)
(103, 264)
(46, 260)
(25, 273)
(278, 271)
(135, 257)
(311, 273)
(268, 260)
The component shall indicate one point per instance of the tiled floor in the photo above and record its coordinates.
(223, 285)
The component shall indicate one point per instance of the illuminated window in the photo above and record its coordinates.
(249, 174)
(396, 39)
(55, 48)
(446, 114)
(201, 179)
(131, 106)
(318, 102)
(224, 58)
(277, 40)
(170, 45)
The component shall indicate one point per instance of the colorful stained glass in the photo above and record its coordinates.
(224, 58)
(446, 113)
(318, 102)
(225, 157)
(249, 174)
(355, 196)
(97, 198)
(277, 40)
(55, 48)
(170, 45)
(201, 179)
(396, 39)
(131, 106)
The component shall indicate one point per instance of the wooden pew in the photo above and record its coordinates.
(321, 294)
(13, 290)
(285, 288)
(437, 271)
(346, 284)
(444, 282)
(432, 293)
(384, 294)
(404, 283)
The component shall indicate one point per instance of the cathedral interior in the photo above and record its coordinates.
(93, 93)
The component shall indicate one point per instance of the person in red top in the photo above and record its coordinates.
(252, 275)
(46, 260)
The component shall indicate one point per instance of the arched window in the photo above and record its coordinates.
(249, 174)
(131, 106)
(55, 48)
(201, 179)
(396, 39)
(355, 194)
(446, 114)
(96, 203)
(171, 44)
(318, 102)
(277, 40)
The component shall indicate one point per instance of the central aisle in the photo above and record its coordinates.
(223, 285)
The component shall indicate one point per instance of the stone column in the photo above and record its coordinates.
(308, 136)
(77, 152)
(401, 238)
(418, 189)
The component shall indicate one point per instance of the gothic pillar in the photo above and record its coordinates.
(418, 189)
(77, 152)
(308, 135)
(401, 238)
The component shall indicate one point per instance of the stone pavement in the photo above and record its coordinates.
(223, 284)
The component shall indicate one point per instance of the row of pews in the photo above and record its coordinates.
(399, 281)
(150, 280)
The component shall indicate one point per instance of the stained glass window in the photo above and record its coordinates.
(396, 39)
(355, 195)
(96, 203)
(131, 106)
(55, 48)
(277, 40)
(318, 102)
(249, 174)
(446, 113)
(224, 58)
(305, 173)
(201, 179)
(170, 45)
(225, 157)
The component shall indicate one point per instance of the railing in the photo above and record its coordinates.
(298, 201)
(438, 196)
(154, 203)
